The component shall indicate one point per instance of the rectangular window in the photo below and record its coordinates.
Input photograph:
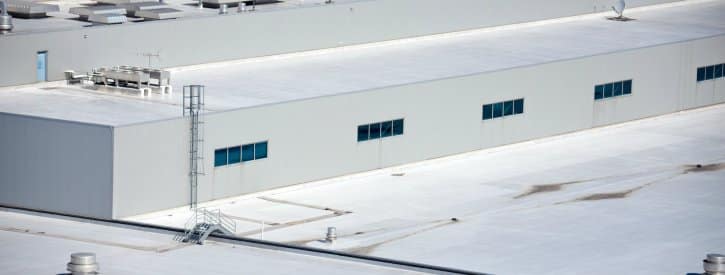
(599, 92)
(617, 91)
(608, 90)
(374, 130)
(508, 108)
(487, 111)
(247, 152)
(235, 154)
(519, 106)
(260, 150)
(386, 129)
(498, 109)
(363, 132)
(381, 129)
(504, 108)
(612, 89)
(709, 72)
(627, 87)
(220, 157)
(398, 127)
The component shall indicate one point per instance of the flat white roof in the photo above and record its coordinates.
(42, 245)
(248, 83)
(613, 200)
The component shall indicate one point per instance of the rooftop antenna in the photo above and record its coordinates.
(149, 55)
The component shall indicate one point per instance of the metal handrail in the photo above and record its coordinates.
(211, 217)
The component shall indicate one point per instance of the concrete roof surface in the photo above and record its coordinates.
(248, 83)
(623, 199)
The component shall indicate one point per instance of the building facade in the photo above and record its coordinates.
(115, 171)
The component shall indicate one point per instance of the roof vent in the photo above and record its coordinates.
(83, 263)
(714, 264)
(331, 235)
(6, 21)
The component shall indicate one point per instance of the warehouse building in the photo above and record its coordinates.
(282, 120)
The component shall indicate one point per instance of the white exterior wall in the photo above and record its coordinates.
(55, 165)
(150, 167)
(200, 40)
(317, 138)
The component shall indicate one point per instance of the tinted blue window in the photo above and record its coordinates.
(398, 127)
(627, 87)
(718, 71)
(701, 74)
(260, 150)
(220, 157)
(498, 109)
(599, 92)
(386, 129)
(508, 108)
(519, 106)
(709, 72)
(248, 152)
(374, 130)
(363, 132)
(608, 90)
(617, 91)
(235, 154)
(487, 111)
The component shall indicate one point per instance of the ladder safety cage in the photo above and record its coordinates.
(193, 104)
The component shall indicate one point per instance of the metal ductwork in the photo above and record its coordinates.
(6, 21)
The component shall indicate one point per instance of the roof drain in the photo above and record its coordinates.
(6, 21)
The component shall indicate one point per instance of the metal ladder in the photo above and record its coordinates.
(193, 103)
(203, 223)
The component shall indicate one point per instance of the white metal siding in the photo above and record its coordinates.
(55, 165)
(315, 139)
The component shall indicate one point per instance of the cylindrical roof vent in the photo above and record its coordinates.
(331, 234)
(714, 264)
(83, 263)
(6, 21)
